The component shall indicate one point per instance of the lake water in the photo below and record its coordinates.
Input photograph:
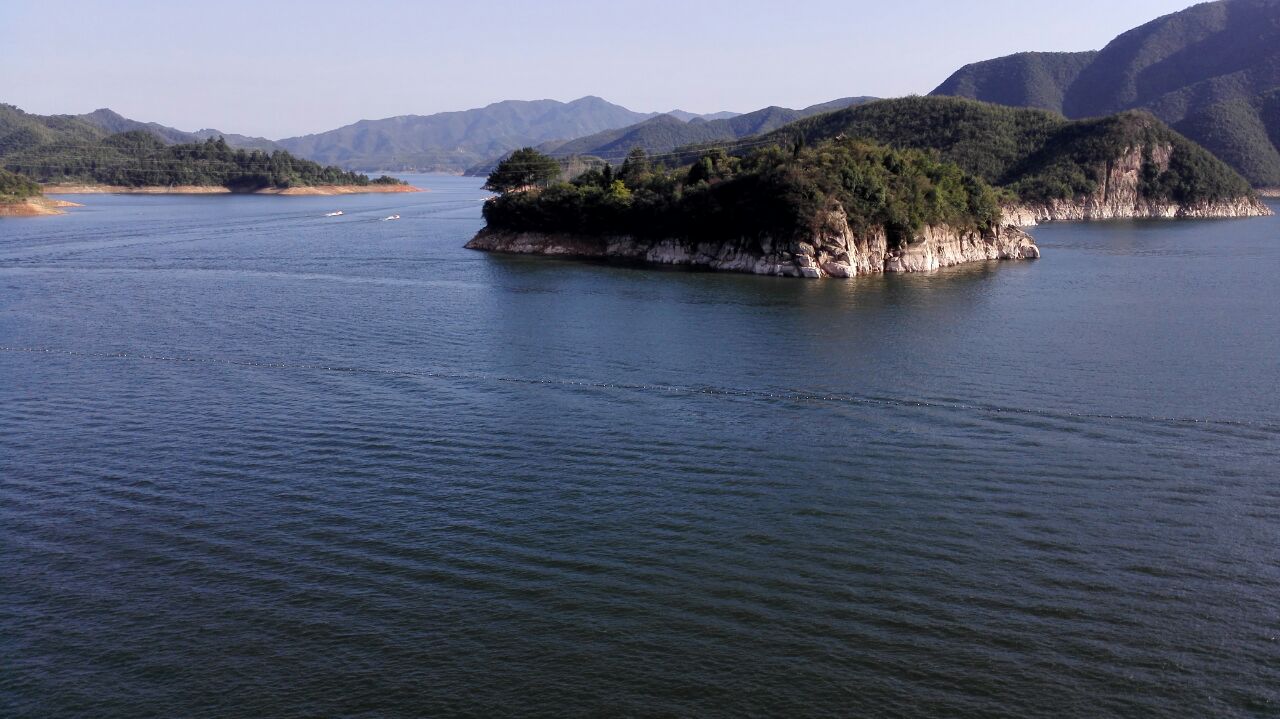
(258, 462)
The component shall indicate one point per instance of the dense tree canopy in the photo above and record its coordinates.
(525, 168)
(772, 191)
(16, 187)
(139, 159)
(1243, 133)
(1033, 154)
(1206, 70)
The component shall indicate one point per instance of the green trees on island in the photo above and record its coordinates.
(897, 164)
(140, 159)
(526, 168)
(14, 187)
(771, 191)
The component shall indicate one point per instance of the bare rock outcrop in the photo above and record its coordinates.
(1120, 196)
(835, 250)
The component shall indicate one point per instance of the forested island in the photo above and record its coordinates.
(138, 161)
(840, 208)
(893, 186)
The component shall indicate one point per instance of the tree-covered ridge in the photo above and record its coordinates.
(1199, 70)
(668, 133)
(21, 131)
(1245, 133)
(1029, 79)
(775, 191)
(14, 187)
(112, 123)
(1033, 154)
(140, 159)
(1167, 55)
(451, 141)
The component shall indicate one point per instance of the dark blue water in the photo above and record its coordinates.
(256, 462)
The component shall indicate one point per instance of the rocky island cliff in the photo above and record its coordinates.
(841, 209)
(837, 251)
(909, 185)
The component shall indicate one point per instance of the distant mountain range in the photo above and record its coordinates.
(665, 133)
(112, 123)
(453, 141)
(445, 142)
(1211, 71)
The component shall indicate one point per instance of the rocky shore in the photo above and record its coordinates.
(35, 207)
(834, 251)
(219, 190)
(1120, 196)
(1091, 209)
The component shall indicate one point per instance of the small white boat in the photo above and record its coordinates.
(334, 214)
(393, 217)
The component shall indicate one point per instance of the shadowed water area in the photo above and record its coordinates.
(259, 462)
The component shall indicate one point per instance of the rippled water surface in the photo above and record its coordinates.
(257, 462)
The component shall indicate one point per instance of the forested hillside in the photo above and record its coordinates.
(1034, 154)
(1211, 71)
(1029, 79)
(666, 133)
(453, 141)
(15, 187)
(140, 159)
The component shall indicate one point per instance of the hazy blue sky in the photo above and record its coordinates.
(283, 68)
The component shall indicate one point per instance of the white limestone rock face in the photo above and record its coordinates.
(1119, 197)
(834, 250)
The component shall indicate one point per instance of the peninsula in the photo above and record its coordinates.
(289, 191)
(1125, 166)
(20, 197)
(139, 162)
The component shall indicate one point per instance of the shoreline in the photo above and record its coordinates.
(309, 191)
(1271, 193)
(841, 253)
(838, 253)
(1089, 210)
(35, 207)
